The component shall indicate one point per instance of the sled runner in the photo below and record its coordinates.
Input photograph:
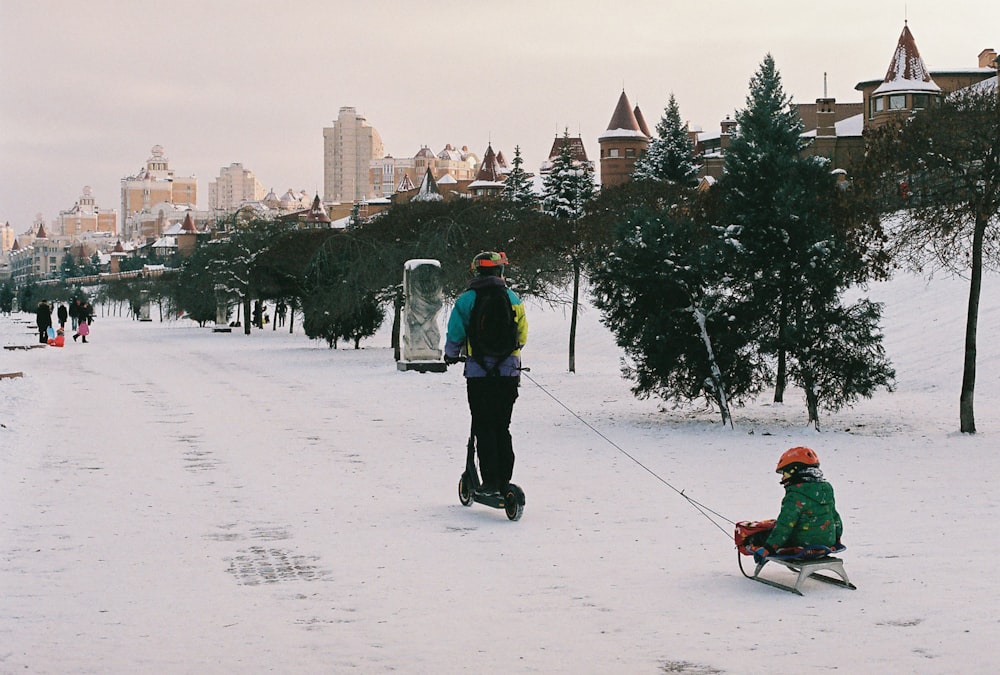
(806, 562)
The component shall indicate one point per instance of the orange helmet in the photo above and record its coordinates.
(797, 455)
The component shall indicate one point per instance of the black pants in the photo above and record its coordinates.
(491, 402)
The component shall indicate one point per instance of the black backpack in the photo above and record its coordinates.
(492, 327)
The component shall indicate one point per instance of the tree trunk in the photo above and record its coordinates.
(397, 313)
(781, 376)
(719, 393)
(573, 316)
(812, 400)
(966, 413)
(246, 316)
(291, 315)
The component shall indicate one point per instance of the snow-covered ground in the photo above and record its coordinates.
(175, 501)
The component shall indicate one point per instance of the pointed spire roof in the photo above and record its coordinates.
(118, 247)
(428, 184)
(907, 71)
(643, 127)
(405, 184)
(317, 214)
(576, 148)
(623, 121)
(428, 189)
(16, 246)
(188, 225)
(623, 117)
(490, 170)
(41, 234)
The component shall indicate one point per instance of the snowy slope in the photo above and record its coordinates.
(175, 501)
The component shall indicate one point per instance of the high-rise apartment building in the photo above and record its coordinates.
(7, 237)
(234, 187)
(349, 147)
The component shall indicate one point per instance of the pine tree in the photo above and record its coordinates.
(670, 155)
(663, 292)
(796, 256)
(517, 187)
(569, 186)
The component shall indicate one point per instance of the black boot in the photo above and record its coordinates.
(75, 336)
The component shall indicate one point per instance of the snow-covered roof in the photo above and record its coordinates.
(165, 242)
(985, 86)
(622, 133)
(849, 126)
(450, 153)
(447, 179)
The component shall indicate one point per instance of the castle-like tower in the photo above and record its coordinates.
(154, 185)
(86, 216)
(907, 85)
(622, 144)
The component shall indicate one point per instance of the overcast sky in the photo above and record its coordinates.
(87, 88)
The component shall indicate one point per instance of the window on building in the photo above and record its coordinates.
(613, 152)
(630, 152)
(920, 101)
(878, 104)
(897, 102)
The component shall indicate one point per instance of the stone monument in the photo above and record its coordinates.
(422, 300)
(221, 311)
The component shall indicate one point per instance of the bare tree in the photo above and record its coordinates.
(938, 173)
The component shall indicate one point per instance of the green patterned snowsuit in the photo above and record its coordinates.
(808, 517)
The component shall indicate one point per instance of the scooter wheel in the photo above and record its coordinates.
(464, 492)
(513, 503)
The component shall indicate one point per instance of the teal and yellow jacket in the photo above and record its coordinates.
(457, 342)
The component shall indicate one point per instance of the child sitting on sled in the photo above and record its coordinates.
(808, 515)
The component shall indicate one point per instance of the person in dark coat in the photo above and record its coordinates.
(43, 319)
(63, 314)
(74, 313)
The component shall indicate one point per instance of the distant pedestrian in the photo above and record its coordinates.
(43, 320)
(74, 313)
(258, 314)
(279, 312)
(82, 331)
(63, 314)
(86, 318)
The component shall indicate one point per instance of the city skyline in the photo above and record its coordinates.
(87, 89)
